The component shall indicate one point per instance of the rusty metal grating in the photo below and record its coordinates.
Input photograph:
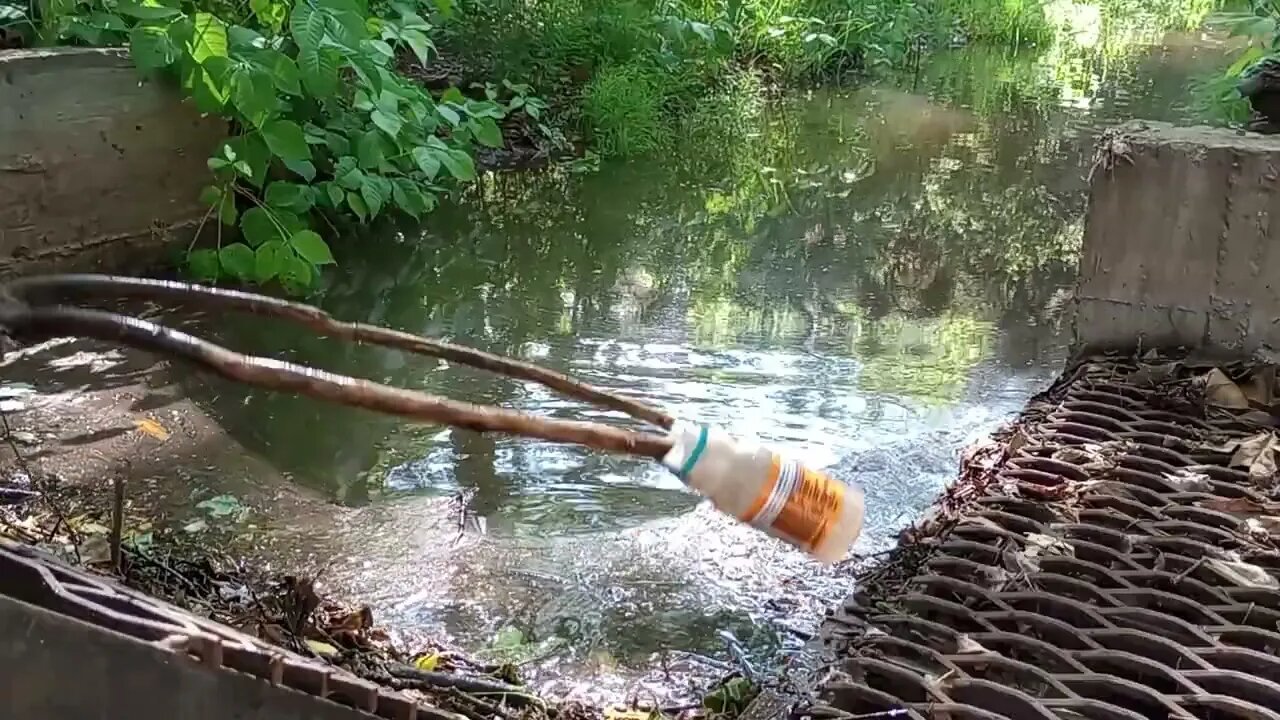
(34, 577)
(1107, 559)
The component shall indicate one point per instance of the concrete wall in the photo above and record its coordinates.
(1180, 242)
(96, 167)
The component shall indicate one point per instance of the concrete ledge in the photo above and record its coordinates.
(95, 164)
(1179, 244)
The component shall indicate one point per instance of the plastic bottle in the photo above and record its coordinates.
(816, 513)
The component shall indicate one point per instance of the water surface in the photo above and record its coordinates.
(869, 278)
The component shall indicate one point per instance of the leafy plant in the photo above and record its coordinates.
(322, 122)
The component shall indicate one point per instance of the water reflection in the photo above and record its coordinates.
(869, 278)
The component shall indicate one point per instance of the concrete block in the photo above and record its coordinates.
(95, 164)
(1178, 241)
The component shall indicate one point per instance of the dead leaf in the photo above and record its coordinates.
(428, 662)
(323, 649)
(1258, 454)
(1219, 390)
(620, 713)
(95, 550)
(1263, 527)
(1235, 506)
(966, 645)
(1242, 573)
(1261, 387)
(152, 428)
(1186, 481)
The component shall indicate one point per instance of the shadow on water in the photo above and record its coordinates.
(870, 278)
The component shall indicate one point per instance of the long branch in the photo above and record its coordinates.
(50, 289)
(33, 324)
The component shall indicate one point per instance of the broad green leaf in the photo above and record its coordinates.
(347, 173)
(284, 72)
(304, 169)
(151, 48)
(288, 196)
(449, 114)
(409, 197)
(388, 123)
(453, 95)
(286, 140)
(254, 94)
(311, 247)
(203, 264)
(427, 161)
(258, 228)
(242, 39)
(383, 49)
(336, 194)
(459, 164)
(297, 274)
(269, 260)
(237, 260)
(307, 26)
(210, 38)
(444, 7)
(337, 144)
(358, 206)
(253, 150)
(487, 132)
(206, 85)
(369, 150)
(375, 190)
(319, 70)
(108, 21)
(223, 203)
(146, 11)
(367, 71)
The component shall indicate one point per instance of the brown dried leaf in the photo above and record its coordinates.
(150, 427)
(966, 645)
(1261, 386)
(1259, 454)
(1242, 573)
(1221, 391)
(1235, 506)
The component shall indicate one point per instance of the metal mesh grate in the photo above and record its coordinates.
(34, 577)
(1108, 559)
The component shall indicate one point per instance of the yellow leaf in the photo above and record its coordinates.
(323, 649)
(152, 428)
(427, 663)
(621, 713)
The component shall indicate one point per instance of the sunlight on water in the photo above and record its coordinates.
(869, 279)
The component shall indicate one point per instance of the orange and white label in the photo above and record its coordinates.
(798, 504)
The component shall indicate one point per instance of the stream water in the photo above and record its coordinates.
(870, 278)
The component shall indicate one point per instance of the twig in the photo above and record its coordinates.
(117, 520)
(59, 288)
(513, 694)
(38, 323)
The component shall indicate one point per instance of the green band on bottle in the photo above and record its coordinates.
(698, 447)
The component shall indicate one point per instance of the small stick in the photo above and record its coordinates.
(117, 521)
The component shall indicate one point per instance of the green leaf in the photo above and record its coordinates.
(388, 123)
(487, 132)
(254, 94)
(237, 260)
(286, 140)
(319, 70)
(304, 169)
(224, 203)
(375, 190)
(148, 11)
(453, 95)
(419, 44)
(307, 26)
(203, 264)
(253, 150)
(284, 72)
(449, 114)
(346, 172)
(269, 260)
(369, 150)
(312, 247)
(258, 227)
(288, 196)
(427, 161)
(297, 274)
(459, 164)
(210, 38)
(408, 196)
(336, 194)
(151, 48)
(337, 144)
(269, 13)
(358, 206)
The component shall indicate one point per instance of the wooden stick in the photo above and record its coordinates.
(56, 289)
(40, 323)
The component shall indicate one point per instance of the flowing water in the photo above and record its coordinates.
(870, 278)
